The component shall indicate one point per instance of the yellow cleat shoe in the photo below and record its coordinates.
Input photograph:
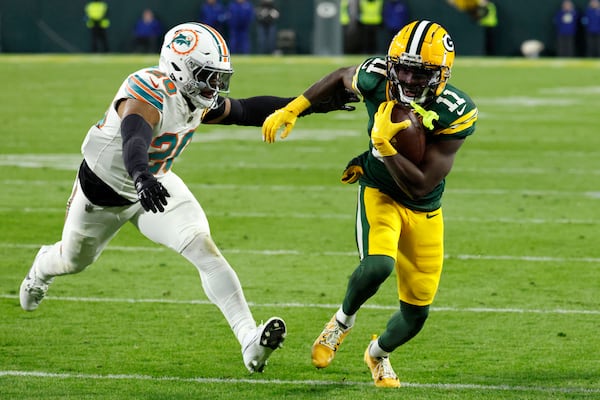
(324, 348)
(381, 370)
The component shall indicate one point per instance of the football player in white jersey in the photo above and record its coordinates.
(126, 176)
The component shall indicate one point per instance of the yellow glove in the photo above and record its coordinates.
(285, 116)
(428, 116)
(384, 129)
(352, 173)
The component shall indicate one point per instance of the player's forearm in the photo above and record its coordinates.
(137, 135)
(329, 84)
(407, 176)
(251, 111)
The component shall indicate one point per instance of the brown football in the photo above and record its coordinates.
(409, 142)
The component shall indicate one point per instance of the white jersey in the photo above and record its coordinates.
(103, 145)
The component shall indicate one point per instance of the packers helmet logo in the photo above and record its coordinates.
(448, 42)
(184, 42)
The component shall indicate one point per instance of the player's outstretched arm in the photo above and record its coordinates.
(327, 90)
(253, 111)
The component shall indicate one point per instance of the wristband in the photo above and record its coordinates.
(298, 105)
(384, 147)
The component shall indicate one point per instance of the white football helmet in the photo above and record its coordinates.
(196, 58)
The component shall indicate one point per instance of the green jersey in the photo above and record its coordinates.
(457, 113)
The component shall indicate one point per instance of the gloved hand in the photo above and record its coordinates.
(338, 101)
(354, 169)
(286, 117)
(384, 129)
(352, 173)
(152, 194)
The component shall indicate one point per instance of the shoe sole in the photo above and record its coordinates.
(271, 338)
(273, 334)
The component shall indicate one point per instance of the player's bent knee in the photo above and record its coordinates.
(204, 253)
(204, 244)
(414, 315)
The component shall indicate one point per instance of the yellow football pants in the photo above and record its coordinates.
(414, 239)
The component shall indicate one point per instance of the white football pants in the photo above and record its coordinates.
(183, 227)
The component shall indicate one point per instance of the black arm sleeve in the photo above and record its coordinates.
(251, 111)
(137, 135)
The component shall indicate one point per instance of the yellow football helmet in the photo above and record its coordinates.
(419, 62)
(464, 5)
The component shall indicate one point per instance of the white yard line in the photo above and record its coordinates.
(299, 382)
(340, 187)
(285, 252)
(558, 311)
(344, 216)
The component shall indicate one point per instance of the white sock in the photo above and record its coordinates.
(345, 319)
(375, 351)
(221, 284)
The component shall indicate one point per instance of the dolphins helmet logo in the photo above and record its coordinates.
(184, 42)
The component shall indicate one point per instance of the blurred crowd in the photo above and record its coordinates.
(571, 24)
(235, 20)
(250, 26)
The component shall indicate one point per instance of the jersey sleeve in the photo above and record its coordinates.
(458, 114)
(368, 77)
(148, 87)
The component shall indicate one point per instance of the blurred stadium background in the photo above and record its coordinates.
(58, 26)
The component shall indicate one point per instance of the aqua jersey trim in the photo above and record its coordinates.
(139, 89)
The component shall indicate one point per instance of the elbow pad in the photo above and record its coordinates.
(137, 136)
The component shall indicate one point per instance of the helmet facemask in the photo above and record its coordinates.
(207, 85)
(412, 80)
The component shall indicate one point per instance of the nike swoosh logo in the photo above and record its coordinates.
(154, 83)
(429, 216)
(461, 110)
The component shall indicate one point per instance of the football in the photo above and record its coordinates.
(409, 142)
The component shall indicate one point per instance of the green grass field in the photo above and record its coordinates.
(517, 314)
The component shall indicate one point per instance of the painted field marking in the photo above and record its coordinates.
(70, 162)
(285, 252)
(345, 216)
(483, 310)
(304, 382)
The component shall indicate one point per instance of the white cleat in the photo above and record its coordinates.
(33, 289)
(258, 345)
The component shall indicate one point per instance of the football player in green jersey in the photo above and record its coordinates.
(399, 223)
